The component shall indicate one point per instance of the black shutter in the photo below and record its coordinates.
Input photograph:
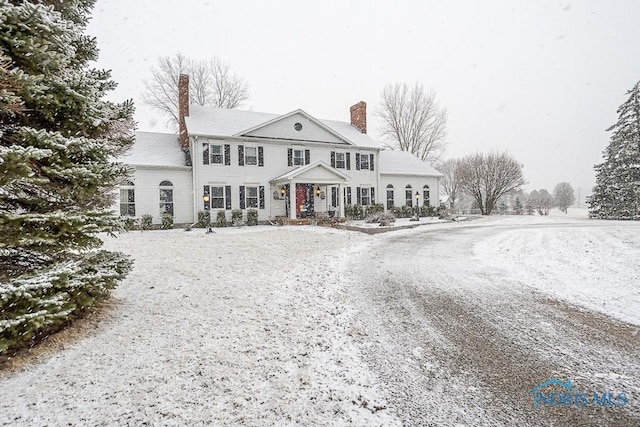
(242, 197)
(358, 196)
(227, 155)
(205, 154)
(348, 195)
(261, 193)
(290, 157)
(373, 195)
(260, 156)
(348, 161)
(334, 196)
(358, 162)
(307, 157)
(371, 162)
(205, 192)
(227, 197)
(333, 159)
(241, 155)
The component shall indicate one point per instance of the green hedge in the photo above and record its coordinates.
(252, 217)
(221, 219)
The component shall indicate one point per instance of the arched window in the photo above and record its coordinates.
(166, 198)
(408, 195)
(127, 199)
(425, 195)
(389, 196)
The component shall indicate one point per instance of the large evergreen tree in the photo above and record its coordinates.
(58, 140)
(617, 190)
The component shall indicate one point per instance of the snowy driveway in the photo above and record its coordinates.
(445, 324)
(461, 323)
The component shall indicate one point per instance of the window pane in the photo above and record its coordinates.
(166, 195)
(217, 197)
(216, 154)
(166, 208)
(340, 160)
(252, 191)
(364, 161)
(250, 156)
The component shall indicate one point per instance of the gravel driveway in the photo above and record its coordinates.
(459, 340)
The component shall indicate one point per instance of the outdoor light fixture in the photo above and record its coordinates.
(318, 191)
(417, 206)
(205, 198)
(282, 191)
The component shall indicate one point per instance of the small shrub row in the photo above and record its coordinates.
(361, 212)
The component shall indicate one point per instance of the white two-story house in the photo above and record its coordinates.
(292, 165)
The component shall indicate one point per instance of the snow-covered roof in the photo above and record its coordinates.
(393, 162)
(220, 122)
(155, 149)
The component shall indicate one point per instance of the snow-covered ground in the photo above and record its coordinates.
(594, 267)
(293, 325)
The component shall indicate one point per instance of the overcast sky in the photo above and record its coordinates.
(541, 79)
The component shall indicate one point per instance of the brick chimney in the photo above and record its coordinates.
(359, 116)
(183, 109)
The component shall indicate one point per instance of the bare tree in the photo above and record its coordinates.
(413, 121)
(211, 83)
(564, 196)
(451, 179)
(540, 201)
(488, 177)
(545, 202)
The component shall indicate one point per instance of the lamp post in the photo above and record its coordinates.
(417, 206)
(205, 199)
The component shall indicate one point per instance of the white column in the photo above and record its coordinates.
(341, 201)
(292, 200)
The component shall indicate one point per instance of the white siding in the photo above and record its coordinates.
(400, 182)
(147, 195)
(284, 129)
(275, 165)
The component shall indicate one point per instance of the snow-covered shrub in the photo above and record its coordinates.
(442, 211)
(374, 209)
(221, 219)
(358, 212)
(348, 211)
(396, 211)
(167, 221)
(146, 222)
(252, 217)
(128, 223)
(202, 219)
(427, 211)
(407, 212)
(236, 218)
(380, 218)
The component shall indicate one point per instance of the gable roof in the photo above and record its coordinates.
(395, 162)
(220, 122)
(155, 149)
(339, 176)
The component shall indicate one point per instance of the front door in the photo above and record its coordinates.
(304, 200)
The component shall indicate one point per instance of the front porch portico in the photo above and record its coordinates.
(314, 189)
